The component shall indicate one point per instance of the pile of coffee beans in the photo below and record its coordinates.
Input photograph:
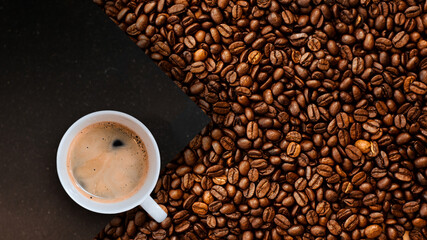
(319, 118)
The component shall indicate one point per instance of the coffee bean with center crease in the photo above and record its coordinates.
(225, 30)
(342, 120)
(282, 221)
(324, 170)
(401, 39)
(411, 207)
(323, 208)
(360, 115)
(268, 214)
(358, 65)
(233, 175)
(400, 121)
(258, 163)
(221, 107)
(237, 47)
(313, 113)
(215, 171)
(218, 233)
(254, 57)
(353, 152)
(197, 67)
(358, 178)
(182, 227)
(159, 234)
(262, 188)
(298, 39)
(351, 223)
(383, 44)
(278, 57)
(334, 227)
(252, 130)
(294, 149)
(219, 192)
(316, 181)
(403, 175)
(300, 184)
(418, 88)
(300, 198)
(314, 44)
(370, 199)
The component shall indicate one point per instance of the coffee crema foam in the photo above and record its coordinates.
(107, 161)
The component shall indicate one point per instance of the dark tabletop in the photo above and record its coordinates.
(60, 60)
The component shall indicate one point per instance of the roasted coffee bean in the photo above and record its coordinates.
(298, 39)
(373, 231)
(215, 206)
(224, 30)
(215, 171)
(318, 231)
(360, 115)
(268, 214)
(233, 175)
(351, 223)
(411, 207)
(371, 126)
(383, 44)
(221, 107)
(274, 190)
(358, 65)
(262, 188)
(323, 208)
(252, 130)
(403, 175)
(418, 87)
(313, 113)
(316, 181)
(318, 118)
(334, 227)
(358, 178)
(342, 120)
(353, 152)
(253, 175)
(300, 198)
(258, 163)
(314, 44)
(278, 57)
(421, 162)
(254, 57)
(182, 227)
(370, 199)
(219, 192)
(363, 145)
(293, 150)
(300, 184)
(296, 230)
(324, 170)
(282, 221)
(400, 40)
(400, 121)
(218, 233)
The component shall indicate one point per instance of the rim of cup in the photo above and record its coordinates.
(153, 162)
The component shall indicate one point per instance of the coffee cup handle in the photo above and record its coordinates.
(152, 208)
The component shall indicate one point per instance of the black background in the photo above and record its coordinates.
(60, 60)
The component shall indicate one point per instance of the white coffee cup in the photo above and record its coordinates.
(142, 196)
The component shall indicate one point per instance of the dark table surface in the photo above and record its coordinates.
(60, 60)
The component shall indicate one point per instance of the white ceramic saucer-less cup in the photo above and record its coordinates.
(142, 196)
